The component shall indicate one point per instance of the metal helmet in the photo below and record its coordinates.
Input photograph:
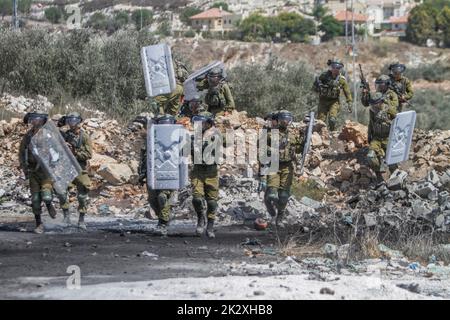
(30, 117)
(382, 80)
(204, 117)
(166, 119)
(335, 63)
(397, 67)
(215, 72)
(284, 118)
(270, 116)
(73, 119)
(376, 98)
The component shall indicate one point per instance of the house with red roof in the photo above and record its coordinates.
(215, 20)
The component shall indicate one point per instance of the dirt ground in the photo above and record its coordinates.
(124, 259)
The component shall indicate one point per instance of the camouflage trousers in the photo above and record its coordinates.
(159, 201)
(205, 183)
(83, 185)
(41, 188)
(278, 190)
(170, 103)
(328, 112)
(376, 154)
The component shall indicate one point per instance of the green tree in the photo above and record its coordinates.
(121, 18)
(444, 25)
(187, 13)
(319, 12)
(53, 14)
(331, 27)
(98, 21)
(142, 18)
(222, 4)
(421, 24)
(165, 28)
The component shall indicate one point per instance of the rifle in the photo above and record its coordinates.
(364, 83)
(399, 93)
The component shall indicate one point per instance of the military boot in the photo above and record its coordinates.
(279, 220)
(39, 225)
(200, 224)
(161, 228)
(81, 223)
(51, 210)
(66, 219)
(210, 229)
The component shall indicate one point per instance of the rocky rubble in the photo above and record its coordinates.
(417, 193)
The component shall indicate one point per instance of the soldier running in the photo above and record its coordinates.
(382, 84)
(79, 143)
(159, 200)
(41, 185)
(205, 175)
(382, 113)
(400, 84)
(279, 183)
(329, 86)
(218, 97)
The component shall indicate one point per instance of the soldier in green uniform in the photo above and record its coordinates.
(329, 86)
(205, 175)
(192, 107)
(279, 183)
(79, 143)
(382, 113)
(41, 185)
(400, 84)
(159, 200)
(382, 84)
(218, 98)
(170, 103)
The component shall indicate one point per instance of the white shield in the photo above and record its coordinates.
(308, 141)
(190, 85)
(166, 163)
(400, 137)
(159, 72)
(54, 156)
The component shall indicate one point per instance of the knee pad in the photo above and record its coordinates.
(271, 195)
(372, 159)
(46, 196)
(36, 201)
(212, 205)
(283, 196)
(83, 200)
(332, 122)
(162, 200)
(198, 204)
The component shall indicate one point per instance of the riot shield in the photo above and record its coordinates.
(54, 156)
(167, 166)
(400, 137)
(190, 85)
(159, 72)
(307, 142)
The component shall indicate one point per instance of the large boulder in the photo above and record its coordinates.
(354, 132)
(115, 173)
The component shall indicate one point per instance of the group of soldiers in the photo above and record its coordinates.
(393, 92)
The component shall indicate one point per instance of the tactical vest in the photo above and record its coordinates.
(398, 87)
(380, 127)
(330, 89)
(287, 148)
(215, 99)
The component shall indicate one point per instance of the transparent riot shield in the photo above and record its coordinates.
(190, 86)
(159, 72)
(400, 137)
(167, 165)
(54, 156)
(308, 141)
